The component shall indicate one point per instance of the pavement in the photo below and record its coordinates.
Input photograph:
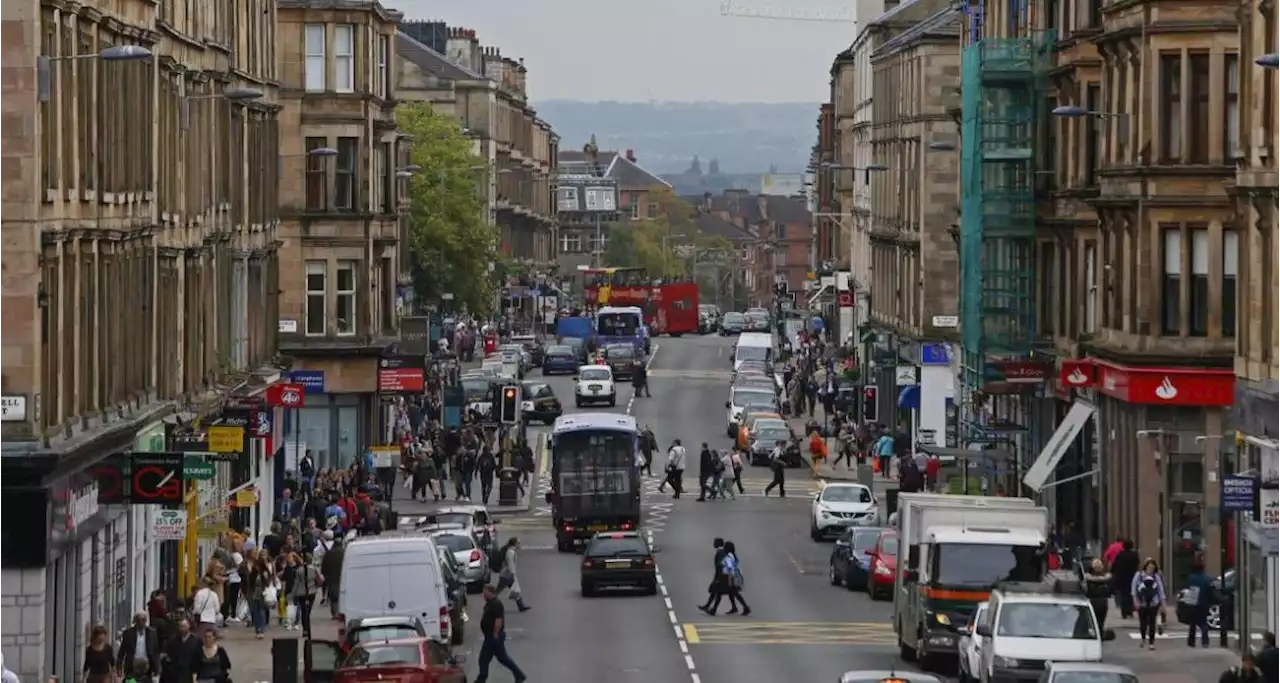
(801, 628)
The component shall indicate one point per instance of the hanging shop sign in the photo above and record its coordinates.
(156, 479)
(286, 395)
(401, 374)
(1204, 387)
(169, 525)
(195, 468)
(226, 439)
(1078, 374)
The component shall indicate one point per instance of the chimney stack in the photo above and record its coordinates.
(631, 155)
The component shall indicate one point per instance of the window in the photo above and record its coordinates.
(344, 61)
(380, 204)
(635, 207)
(388, 180)
(317, 176)
(1199, 308)
(1091, 288)
(1048, 260)
(655, 211)
(1093, 135)
(1230, 269)
(316, 295)
(781, 231)
(570, 243)
(1200, 83)
(346, 298)
(779, 259)
(384, 77)
(315, 76)
(1171, 117)
(344, 182)
(1231, 129)
(1172, 285)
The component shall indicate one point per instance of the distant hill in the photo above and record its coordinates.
(742, 138)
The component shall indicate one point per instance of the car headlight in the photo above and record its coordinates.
(1005, 662)
(823, 512)
(883, 570)
(942, 618)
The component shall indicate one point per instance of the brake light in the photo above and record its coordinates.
(568, 527)
(586, 564)
(475, 556)
(626, 526)
(648, 561)
(444, 622)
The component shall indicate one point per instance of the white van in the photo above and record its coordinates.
(754, 346)
(394, 576)
(1021, 631)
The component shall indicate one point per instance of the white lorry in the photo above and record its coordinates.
(952, 550)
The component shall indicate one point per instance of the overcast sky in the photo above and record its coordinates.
(673, 50)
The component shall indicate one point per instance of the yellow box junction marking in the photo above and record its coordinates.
(789, 633)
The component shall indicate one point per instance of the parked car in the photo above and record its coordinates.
(1222, 613)
(884, 562)
(471, 557)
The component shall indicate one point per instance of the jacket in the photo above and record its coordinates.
(1134, 589)
(129, 645)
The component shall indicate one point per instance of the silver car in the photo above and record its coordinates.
(473, 561)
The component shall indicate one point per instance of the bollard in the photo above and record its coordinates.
(508, 486)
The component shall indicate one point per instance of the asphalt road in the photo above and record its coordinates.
(801, 627)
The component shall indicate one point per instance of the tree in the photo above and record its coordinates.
(640, 243)
(451, 243)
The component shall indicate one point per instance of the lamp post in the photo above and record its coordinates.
(1074, 112)
(664, 251)
(117, 53)
(1268, 61)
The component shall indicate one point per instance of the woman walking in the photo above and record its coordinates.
(507, 577)
(99, 659)
(211, 664)
(206, 606)
(1148, 599)
(731, 583)
(306, 585)
(1097, 588)
(261, 590)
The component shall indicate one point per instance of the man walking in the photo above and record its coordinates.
(779, 468)
(707, 462)
(675, 469)
(493, 628)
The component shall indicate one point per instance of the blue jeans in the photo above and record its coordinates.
(258, 614)
(1198, 619)
(496, 648)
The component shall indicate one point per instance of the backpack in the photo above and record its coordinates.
(1147, 591)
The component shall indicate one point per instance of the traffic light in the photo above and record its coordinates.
(509, 406)
(870, 406)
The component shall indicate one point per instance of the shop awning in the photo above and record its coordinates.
(909, 397)
(1042, 469)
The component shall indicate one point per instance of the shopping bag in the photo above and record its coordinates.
(242, 610)
(291, 614)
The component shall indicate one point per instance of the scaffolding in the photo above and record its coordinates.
(1002, 86)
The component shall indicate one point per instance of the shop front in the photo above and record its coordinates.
(1164, 429)
(339, 417)
(155, 562)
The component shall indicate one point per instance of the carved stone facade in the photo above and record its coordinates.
(139, 214)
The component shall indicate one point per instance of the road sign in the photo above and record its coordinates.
(194, 468)
(156, 479)
(1237, 493)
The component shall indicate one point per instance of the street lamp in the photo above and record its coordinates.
(1268, 61)
(664, 250)
(1075, 112)
(118, 53)
(941, 146)
(230, 95)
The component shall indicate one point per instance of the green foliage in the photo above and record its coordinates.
(450, 241)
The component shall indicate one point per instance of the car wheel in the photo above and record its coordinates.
(613, 402)
(832, 574)
(564, 545)
(814, 533)
(588, 590)
(577, 402)
(458, 632)
(651, 588)
(852, 586)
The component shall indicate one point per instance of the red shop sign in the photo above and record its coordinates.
(1023, 372)
(286, 395)
(1167, 386)
(1078, 374)
(396, 380)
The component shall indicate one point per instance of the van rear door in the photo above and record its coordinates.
(386, 583)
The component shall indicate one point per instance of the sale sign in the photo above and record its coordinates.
(169, 525)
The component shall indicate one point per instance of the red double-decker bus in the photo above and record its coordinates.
(669, 308)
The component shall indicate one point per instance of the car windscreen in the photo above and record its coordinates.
(388, 632)
(772, 436)
(456, 543)
(760, 353)
(1093, 677)
(609, 547)
(594, 375)
(889, 546)
(846, 494)
(769, 424)
(564, 350)
(475, 389)
(757, 384)
(972, 565)
(619, 353)
(865, 539)
(538, 391)
(734, 318)
(383, 654)
(1046, 620)
(459, 518)
(742, 398)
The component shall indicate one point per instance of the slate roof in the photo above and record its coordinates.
(715, 226)
(944, 24)
(628, 173)
(431, 61)
(787, 209)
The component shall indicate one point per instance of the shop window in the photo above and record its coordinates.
(1230, 271)
(313, 423)
(348, 422)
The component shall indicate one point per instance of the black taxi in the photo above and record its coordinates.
(618, 559)
(540, 402)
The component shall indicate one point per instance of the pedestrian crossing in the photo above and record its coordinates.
(699, 375)
(1180, 633)
(750, 632)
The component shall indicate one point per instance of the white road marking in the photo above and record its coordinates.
(671, 615)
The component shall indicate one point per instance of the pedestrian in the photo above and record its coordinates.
(1199, 598)
(713, 589)
(306, 584)
(507, 578)
(707, 465)
(99, 659)
(731, 583)
(262, 590)
(725, 475)
(424, 477)
(735, 465)
(1097, 588)
(778, 465)
(139, 642)
(1148, 600)
(884, 452)
(211, 663)
(486, 465)
(675, 469)
(1124, 566)
(1247, 672)
(331, 570)
(1266, 658)
(179, 652)
(206, 605)
(493, 629)
(648, 444)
